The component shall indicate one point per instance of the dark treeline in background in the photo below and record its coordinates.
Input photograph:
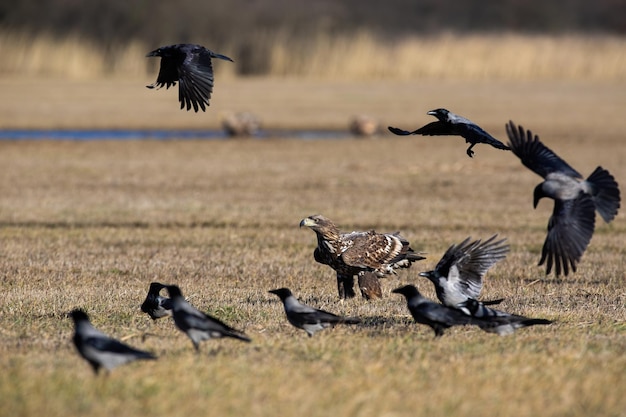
(184, 20)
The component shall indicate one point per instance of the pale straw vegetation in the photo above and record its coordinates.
(358, 56)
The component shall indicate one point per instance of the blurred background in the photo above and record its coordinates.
(324, 38)
(296, 60)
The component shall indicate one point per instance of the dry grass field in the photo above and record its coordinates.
(91, 224)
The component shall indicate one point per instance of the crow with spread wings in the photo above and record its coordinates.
(190, 66)
(575, 199)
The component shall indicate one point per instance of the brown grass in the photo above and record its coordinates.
(91, 224)
(582, 108)
(347, 57)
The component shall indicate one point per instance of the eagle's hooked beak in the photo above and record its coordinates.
(307, 222)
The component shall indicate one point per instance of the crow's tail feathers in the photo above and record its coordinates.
(605, 193)
(532, 322)
(492, 302)
(237, 335)
(350, 320)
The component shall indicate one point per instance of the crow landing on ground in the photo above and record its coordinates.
(459, 274)
(450, 124)
(309, 319)
(575, 199)
(190, 66)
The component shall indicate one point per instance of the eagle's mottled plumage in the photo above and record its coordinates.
(358, 253)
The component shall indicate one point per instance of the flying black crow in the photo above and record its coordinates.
(155, 305)
(450, 124)
(357, 253)
(575, 199)
(437, 316)
(497, 321)
(100, 350)
(190, 65)
(197, 325)
(459, 274)
(309, 319)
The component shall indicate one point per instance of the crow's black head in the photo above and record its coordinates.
(170, 51)
(156, 287)
(282, 292)
(431, 275)
(174, 291)
(408, 291)
(441, 114)
(538, 194)
(78, 315)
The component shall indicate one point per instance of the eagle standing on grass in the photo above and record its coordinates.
(190, 66)
(369, 255)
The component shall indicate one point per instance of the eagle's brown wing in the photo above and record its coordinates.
(371, 250)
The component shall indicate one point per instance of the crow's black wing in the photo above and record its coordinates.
(398, 132)
(436, 129)
(534, 154)
(168, 72)
(195, 78)
(569, 232)
(471, 263)
(105, 344)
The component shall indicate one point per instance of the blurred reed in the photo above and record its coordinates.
(361, 55)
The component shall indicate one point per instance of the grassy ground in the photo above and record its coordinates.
(91, 224)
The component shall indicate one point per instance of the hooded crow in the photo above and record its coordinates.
(190, 65)
(309, 319)
(575, 200)
(450, 124)
(497, 321)
(459, 274)
(197, 325)
(437, 316)
(100, 350)
(155, 305)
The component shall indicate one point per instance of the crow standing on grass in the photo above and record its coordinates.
(155, 305)
(440, 317)
(437, 316)
(309, 319)
(450, 124)
(459, 274)
(190, 65)
(197, 325)
(575, 200)
(100, 350)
